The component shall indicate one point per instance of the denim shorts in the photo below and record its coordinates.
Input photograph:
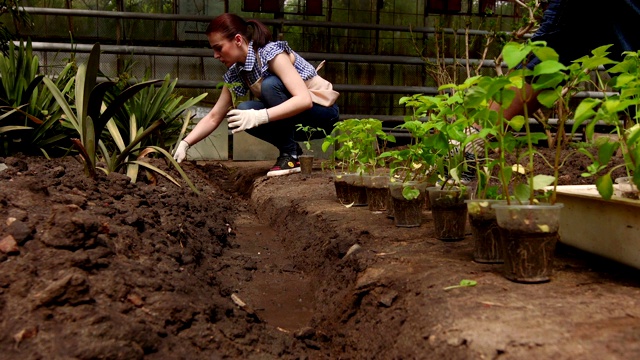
(575, 27)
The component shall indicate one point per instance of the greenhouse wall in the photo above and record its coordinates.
(374, 28)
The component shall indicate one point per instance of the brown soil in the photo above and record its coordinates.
(266, 268)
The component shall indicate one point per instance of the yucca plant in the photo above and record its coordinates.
(45, 111)
(19, 70)
(19, 77)
(122, 156)
(90, 115)
(88, 119)
(154, 103)
(37, 113)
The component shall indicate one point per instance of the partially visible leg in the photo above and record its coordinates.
(319, 117)
(281, 133)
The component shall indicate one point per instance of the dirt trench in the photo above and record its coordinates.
(380, 290)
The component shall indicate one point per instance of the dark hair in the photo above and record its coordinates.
(231, 24)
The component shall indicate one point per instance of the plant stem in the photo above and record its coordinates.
(503, 131)
(529, 143)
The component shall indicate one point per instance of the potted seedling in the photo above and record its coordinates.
(410, 168)
(371, 166)
(448, 119)
(487, 241)
(529, 221)
(356, 143)
(306, 159)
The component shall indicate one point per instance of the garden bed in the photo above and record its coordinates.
(107, 269)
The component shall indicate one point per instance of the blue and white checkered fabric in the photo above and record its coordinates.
(254, 72)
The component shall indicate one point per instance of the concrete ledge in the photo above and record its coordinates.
(214, 146)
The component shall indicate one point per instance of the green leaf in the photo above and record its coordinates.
(548, 97)
(606, 151)
(584, 111)
(514, 54)
(548, 81)
(522, 192)
(636, 176)
(90, 141)
(463, 283)
(537, 137)
(594, 63)
(85, 82)
(410, 193)
(633, 136)
(541, 181)
(133, 167)
(604, 184)
(4, 129)
(548, 67)
(517, 122)
(545, 53)
(115, 135)
(64, 105)
(177, 166)
(590, 130)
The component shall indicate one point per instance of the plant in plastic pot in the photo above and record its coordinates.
(306, 159)
(377, 189)
(487, 241)
(447, 119)
(407, 201)
(410, 173)
(356, 145)
(530, 219)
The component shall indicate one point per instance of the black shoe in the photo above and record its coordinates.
(285, 165)
(298, 150)
(469, 175)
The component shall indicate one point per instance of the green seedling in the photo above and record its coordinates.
(230, 86)
(463, 283)
(609, 110)
(308, 132)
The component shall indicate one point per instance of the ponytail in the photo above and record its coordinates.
(228, 25)
(260, 34)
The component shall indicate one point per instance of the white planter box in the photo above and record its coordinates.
(610, 228)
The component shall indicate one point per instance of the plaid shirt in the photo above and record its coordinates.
(236, 73)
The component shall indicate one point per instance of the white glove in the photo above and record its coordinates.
(181, 151)
(246, 119)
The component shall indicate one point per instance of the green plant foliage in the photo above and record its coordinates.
(416, 161)
(86, 117)
(155, 103)
(19, 75)
(308, 132)
(437, 127)
(618, 111)
(90, 116)
(37, 113)
(19, 70)
(125, 154)
(230, 86)
(357, 144)
(463, 283)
